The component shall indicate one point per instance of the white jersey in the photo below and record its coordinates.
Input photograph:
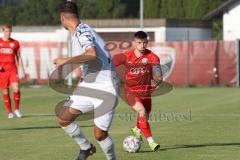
(85, 37)
(99, 89)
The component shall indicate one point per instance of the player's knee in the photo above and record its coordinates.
(15, 89)
(142, 112)
(100, 135)
(139, 108)
(60, 122)
(5, 91)
(63, 123)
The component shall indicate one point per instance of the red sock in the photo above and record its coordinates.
(144, 126)
(16, 97)
(7, 102)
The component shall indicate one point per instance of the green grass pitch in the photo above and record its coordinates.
(189, 123)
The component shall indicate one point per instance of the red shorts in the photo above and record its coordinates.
(7, 78)
(132, 98)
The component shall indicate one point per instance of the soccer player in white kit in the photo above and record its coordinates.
(98, 85)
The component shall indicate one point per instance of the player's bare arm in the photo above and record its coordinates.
(157, 74)
(19, 63)
(89, 55)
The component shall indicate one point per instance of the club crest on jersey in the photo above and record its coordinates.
(144, 61)
(129, 62)
(11, 45)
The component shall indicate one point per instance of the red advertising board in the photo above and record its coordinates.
(192, 62)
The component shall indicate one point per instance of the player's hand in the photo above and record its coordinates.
(23, 75)
(59, 62)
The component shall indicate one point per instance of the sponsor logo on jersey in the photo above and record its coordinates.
(138, 70)
(144, 61)
(6, 50)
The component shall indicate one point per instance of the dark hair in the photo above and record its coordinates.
(141, 35)
(69, 7)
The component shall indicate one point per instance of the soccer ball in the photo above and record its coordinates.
(131, 144)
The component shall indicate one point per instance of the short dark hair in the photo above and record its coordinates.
(69, 7)
(141, 35)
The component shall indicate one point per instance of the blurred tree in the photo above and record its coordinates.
(164, 9)
(101, 8)
(87, 9)
(175, 9)
(196, 8)
(7, 13)
(38, 12)
(217, 29)
(200, 8)
(188, 8)
(132, 8)
(110, 9)
(212, 4)
(152, 8)
(53, 8)
(45, 12)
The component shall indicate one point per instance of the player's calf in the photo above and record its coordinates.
(105, 142)
(16, 98)
(7, 102)
(71, 127)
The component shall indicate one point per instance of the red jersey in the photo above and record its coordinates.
(138, 70)
(8, 50)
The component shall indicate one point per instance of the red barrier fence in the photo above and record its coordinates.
(193, 62)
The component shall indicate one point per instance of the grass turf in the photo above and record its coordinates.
(189, 123)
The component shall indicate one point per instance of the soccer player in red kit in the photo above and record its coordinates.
(10, 59)
(142, 75)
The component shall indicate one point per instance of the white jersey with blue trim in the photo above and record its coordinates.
(100, 70)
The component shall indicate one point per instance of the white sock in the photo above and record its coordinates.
(74, 131)
(108, 148)
(150, 140)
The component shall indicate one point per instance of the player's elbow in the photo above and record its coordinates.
(62, 122)
(159, 80)
(93, 57)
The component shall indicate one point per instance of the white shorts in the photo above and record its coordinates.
(102, 98)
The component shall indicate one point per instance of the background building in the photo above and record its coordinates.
(229, 12)
(159, 30)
